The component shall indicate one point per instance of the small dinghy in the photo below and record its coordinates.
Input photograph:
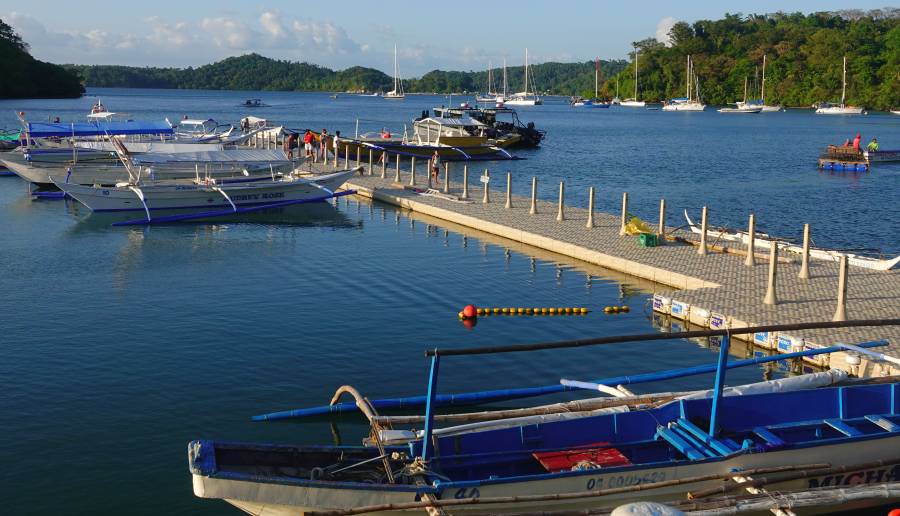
(765, 241)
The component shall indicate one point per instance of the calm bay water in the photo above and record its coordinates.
(120, 344)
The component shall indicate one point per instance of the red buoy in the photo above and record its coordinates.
(469, 311)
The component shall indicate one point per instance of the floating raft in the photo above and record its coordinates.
(845, 159)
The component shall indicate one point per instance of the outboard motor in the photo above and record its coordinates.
(531, 125)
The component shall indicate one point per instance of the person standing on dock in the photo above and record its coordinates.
(307, 144)
(337, 137)
(856, 142)
(323, 144)
(289, 146)
(873, 145)
(435, 167)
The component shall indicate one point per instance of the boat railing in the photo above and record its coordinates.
(721, 366)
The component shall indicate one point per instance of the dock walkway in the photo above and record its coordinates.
(712, 290)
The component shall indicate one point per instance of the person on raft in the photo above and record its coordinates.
(856, 142)
(873, 145)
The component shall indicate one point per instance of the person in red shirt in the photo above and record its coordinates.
(307, 143)
(856, 142)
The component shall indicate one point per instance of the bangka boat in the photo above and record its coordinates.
(140, 194)
(882, 155)
(397, 92)
(691, 101)
(501, 124)
(200, 131)
(765, 241)
(826, 108)
(253, 103)
(524, 98)
(649, 452)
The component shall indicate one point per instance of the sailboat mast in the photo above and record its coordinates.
(688, 80)
(504, 78)
(597, 78)
(396, 71)
(490, 79)
(844, 83)
(526, 71)
(635, 73)
(762, 92)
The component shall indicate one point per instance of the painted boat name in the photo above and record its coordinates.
(860, 477)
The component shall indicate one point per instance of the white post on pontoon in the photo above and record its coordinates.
(465, 192)
(661, 229)
(704, 221)
(751, 243)
(771, 297)
(412, 171)
(486, 181)
(590, 220)
(804, 264)
(560, 214)
(533, 209)
(508, 190)
(624, 213)
(840, 313)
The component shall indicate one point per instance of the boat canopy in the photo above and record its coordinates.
(98, 128)
(213, 156)
(461, 121)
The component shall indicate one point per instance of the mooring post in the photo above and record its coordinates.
(751, 242)
(840, 313)
(701, 250)
(384, 158)
(771, 298)
(508, 190)
(358, 155)
(337, 148)
(661, 230)
(397, 173)
(486, 181)
(347, 156)
(412, 171)
(560, 216)
(804, 263)
(446, 177)
(590, 220)
(533, 209)
(371, 173)
(465, 194)
(624, 213)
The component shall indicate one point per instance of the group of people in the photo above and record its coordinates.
(309, 145)
(872, 146)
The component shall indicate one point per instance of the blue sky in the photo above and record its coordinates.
(459, 35)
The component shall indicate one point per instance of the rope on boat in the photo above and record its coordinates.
(366, 407)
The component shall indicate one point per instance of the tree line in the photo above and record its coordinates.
(22, 76)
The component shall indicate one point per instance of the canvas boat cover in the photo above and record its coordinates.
(98, 128)
(212, 156)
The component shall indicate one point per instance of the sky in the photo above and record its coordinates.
(459, 35)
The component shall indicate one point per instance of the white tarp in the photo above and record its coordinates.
(220, 156)
(154, 147)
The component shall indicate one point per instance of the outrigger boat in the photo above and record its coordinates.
(208, 131)
(501, 125)
(649, 451)
(765, 241)
(137, 194)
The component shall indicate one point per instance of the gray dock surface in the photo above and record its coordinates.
(719, 283)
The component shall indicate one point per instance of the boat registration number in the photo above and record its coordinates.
(624, 480)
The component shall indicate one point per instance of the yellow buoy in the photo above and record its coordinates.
(607, 309)
(543, 310)
(552, 310)
(583, 310)
(625, 308)
(568, 310)
(496, 310)
(520, 310)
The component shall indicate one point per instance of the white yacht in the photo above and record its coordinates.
(397, 92)
(826, 108)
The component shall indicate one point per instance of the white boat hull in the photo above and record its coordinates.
(684, 106)
(293, 498)
(523, 102)
(839, 110)
(189, 195)
(763, 241)
(741, 111)
(633, 103)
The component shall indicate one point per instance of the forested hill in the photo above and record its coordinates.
(255, 72)
(803, 52)
(22, 76)
(803, 65)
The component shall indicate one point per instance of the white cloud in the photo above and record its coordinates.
(271, 23)
(228, 33)
(663, 28)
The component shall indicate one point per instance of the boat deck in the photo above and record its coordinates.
(710, 291)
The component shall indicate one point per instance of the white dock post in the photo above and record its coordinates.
(771, 298)
(751, 242)
(336, 152)
(384, 158)
(397, 172)
(446, 177)
(487, 189)
(508, 190)
(347, 156)
(804, 264)
(465, 194)
(704, 220)
(533, 209)
(358, 153)
(412, 171)
(624, 213)
(370, 162)
(560, 215)
(590, 220)
(661, 229)
(840, 313)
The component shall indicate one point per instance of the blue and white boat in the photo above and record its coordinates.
(835, 436)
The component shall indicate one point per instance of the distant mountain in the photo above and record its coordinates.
(22, 76)
(255, 72)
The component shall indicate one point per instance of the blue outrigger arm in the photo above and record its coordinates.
(481, 397)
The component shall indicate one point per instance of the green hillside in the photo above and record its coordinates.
(22, 76)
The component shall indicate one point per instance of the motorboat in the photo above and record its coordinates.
(826, 108)
(501, 125)
(253, 103)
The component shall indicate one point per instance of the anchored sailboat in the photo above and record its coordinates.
(525, 98)
(691, 101)
(761, 102)
(492, 96)
(841, 109)
(742, 107)
(397, 92)
(634, 102)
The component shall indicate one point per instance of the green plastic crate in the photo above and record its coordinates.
(647, 240)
